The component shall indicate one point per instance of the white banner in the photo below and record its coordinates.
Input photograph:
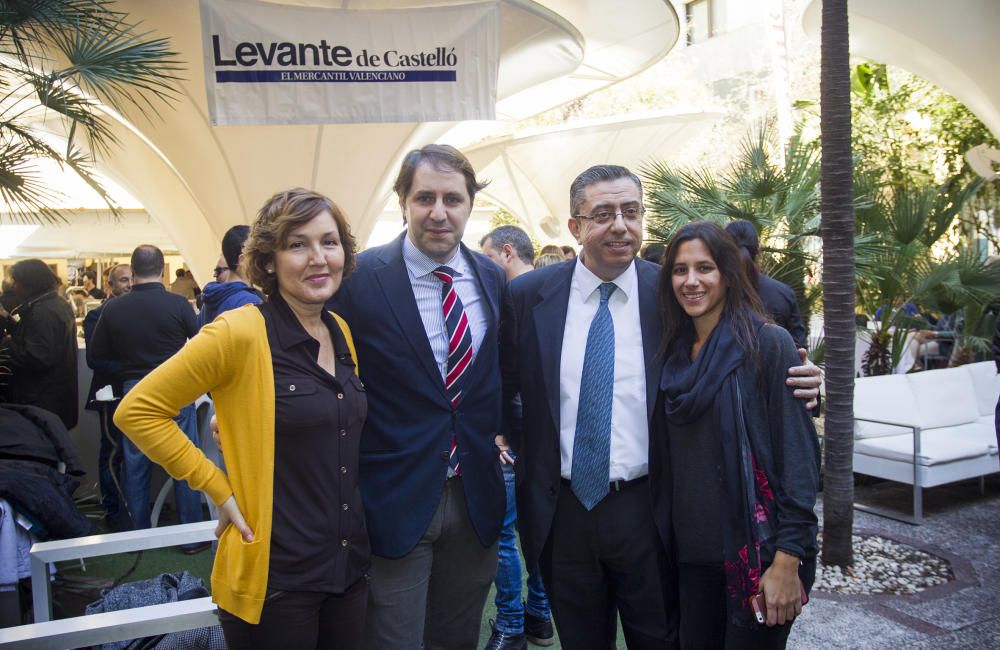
(281, 64)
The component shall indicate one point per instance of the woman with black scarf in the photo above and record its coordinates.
(41, 347)
(734, 459)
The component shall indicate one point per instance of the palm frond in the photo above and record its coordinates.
(22, 187)
(121, 66)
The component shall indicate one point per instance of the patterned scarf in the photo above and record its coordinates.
(710, 384)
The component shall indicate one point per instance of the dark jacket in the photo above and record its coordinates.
(783, 440)
(780, 303)
(411, 421)
(534, 320)
(143, 328)
(31, 433)
(42, 349)
(218, 297)
(106, 371)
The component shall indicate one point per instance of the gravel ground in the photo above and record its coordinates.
(884, 566)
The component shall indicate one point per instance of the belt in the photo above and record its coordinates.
(619, 485)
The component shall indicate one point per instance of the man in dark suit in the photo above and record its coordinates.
(778, 298)
(579, 343)
(424, 311)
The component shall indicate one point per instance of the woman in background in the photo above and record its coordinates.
(40, 351)
(293, 547)
(734, 459)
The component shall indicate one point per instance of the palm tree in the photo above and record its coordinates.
(838, 231)
(781, 200)
(74, 59)
(909, 224)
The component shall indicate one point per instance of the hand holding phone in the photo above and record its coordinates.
(759, 603)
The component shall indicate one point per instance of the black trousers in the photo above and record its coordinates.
(599, 562)
(302, 619)
(704, 625)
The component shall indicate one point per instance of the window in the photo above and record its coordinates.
(698, 16)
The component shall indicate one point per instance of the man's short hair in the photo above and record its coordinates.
(745, 235)
(180, 273)
(515, 237)
(654, 252)
(232, 245)
(442, 157)
(147, 262)
(596, 174)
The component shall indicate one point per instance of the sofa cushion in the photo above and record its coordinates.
(944, 398)
(937, 446)
(887, 397)
(986, 382)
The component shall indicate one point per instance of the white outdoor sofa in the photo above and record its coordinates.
(926, 428)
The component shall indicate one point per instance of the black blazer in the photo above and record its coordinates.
(407, 437)
(534, 318)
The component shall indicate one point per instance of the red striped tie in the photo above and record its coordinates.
(459, 344)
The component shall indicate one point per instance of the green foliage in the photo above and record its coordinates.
(781, 198)
(70, 58)
(911, 134)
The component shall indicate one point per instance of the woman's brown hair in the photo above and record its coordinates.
(279, 215)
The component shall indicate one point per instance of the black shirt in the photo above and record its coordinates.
(699, 501)
(319, 541)
(142, 329)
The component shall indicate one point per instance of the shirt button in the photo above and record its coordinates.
(345, 507)
(292, 388)
(340, 396)
(343, 470)
(343, 542)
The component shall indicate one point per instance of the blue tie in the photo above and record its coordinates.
(590, 476)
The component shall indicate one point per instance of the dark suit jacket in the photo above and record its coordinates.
(407, 437)
(780, 303)
(531, 346)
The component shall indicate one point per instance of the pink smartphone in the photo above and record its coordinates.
(759, 604)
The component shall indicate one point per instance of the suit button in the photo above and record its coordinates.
(343, 542)
(291, 388)
(444, 455)
(343, 470)
(340, 396)
(343, 432)
(344, 506)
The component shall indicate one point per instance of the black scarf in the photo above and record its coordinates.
(710, 384)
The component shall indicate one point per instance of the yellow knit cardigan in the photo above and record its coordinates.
(231, 358)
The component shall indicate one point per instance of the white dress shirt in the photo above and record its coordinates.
(629, 426)
(427, 291)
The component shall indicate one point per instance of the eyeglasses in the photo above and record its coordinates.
(602, 216)
(219, 270)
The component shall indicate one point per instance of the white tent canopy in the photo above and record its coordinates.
(197, 180)
(530, 174)
(953, 44)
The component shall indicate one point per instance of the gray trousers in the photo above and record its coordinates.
(435, 594)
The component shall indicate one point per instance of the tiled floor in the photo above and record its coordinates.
(962, 525)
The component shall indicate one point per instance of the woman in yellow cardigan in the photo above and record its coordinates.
(293, 549)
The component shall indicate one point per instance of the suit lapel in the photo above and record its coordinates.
(550, 323)
(395, 283)
(652, 331)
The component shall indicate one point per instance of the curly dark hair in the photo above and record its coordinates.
(279, 215)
